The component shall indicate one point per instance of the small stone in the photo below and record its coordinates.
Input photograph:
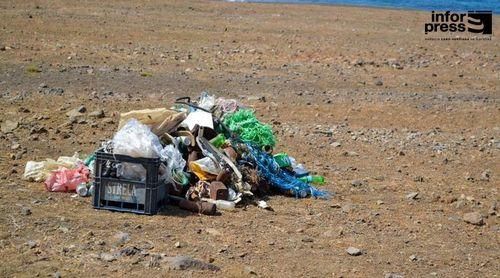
(307, 239)
(356, 183)
(129, 251)
(121, 238)
(25, 211)
(379, 82)
(249, 270)
(178, 244)
(187, 263)
(350, 154)
(108, 257)
(486, 175)
(380, 202)
(213, 232)
(474, 218)
(15, 146)
(97, 114)
(353, 251)
(412, 196)
(393, 275)
(418, 179)
(32, 244)
(77, 112)
(57, 274)
(413, 258)
(336, 144)
(8, 126)
(469, 177)
(108, 121)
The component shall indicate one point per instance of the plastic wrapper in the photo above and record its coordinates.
(65, 180)
(206, 101)
(131, 171)
(173, 161)
(137, 140)
(204, 169)
(40, 171)
(160, 120)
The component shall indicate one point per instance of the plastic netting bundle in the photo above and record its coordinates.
(280, 179)
(249, 129)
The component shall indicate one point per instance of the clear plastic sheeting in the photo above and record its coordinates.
(136, 140)
(173, 160)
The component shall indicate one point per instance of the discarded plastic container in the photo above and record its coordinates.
(313, 179)
(283, 160)
(218, 140)
(221, 204)
(141, 197)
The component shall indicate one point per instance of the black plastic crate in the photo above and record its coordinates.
(118, 194)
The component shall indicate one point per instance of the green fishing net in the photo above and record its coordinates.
(249, 129)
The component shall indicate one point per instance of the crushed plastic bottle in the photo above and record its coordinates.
(313, 179)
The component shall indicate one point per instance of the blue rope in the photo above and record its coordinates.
(270, 170)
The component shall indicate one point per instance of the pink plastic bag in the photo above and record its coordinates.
(65, 180)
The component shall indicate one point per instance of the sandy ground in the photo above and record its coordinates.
(356, 94)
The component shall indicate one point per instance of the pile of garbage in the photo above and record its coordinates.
(213, 153)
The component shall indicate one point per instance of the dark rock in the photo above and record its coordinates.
(187, 263)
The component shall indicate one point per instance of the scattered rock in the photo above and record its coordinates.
(418, 179)
(307, 239)
(336, 144)
(77, 112)
(249, 270)
(413, 258)
(393, 275)
(356, 182)
(379, 82)
(25, 211)
(474, 218)
(350, 154)
(9, 126)
(97, 114)
(486, 175)
(178, 244)
(121, 238)
(129, 251)
(213, 232)
(187, 263)
(413, 196)
(353, 251)
(32, 244)
(108, 257)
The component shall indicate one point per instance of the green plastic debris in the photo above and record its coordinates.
(249, 129)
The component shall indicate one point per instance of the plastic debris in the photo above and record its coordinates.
(249, 129)
(40, 171)
(65, 180)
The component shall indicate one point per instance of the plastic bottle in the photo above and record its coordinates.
(283, 160)
(218, 140)
(221, 204)
(313, 179)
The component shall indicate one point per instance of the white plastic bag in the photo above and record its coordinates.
(136, 140)
(206, 101)
(40, 171)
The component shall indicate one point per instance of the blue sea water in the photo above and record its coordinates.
(426, 5)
